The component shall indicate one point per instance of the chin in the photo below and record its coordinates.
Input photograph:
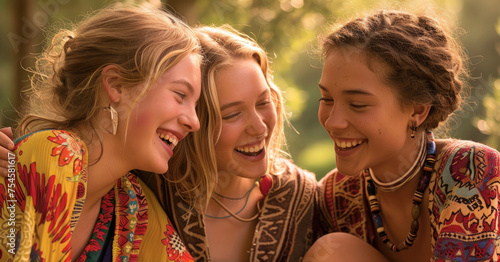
(349, 171)
(158, 168)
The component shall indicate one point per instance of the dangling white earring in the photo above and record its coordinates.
(114, 118)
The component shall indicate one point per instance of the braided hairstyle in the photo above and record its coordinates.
(422, 62)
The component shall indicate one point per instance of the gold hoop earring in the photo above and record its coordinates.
(114, 118)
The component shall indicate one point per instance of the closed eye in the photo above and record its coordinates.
(230, 116)
(181, 94)
(326, 100)
(264, 103)
(358, 106)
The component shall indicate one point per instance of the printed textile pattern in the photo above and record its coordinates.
(42, 204)
(290, 201)
(463, 204)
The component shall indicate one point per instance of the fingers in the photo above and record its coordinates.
(6, 138)
(6, 147)
(7, 165)
(3, 168)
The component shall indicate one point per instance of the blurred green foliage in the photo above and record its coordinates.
(288, 29)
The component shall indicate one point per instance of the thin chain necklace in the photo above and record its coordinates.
(408, 176)
(235, 215)
(236, 198)
(417, 200)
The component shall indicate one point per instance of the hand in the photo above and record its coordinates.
(6, 148)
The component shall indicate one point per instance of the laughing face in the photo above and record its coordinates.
(248, 119)
(164, 116)
(362, 115)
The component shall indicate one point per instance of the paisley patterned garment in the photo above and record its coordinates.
(284, 231)
(463, 204)
(42, 204)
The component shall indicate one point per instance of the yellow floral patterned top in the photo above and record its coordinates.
(41, 202)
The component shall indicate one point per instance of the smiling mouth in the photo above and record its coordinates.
(170, 140)
(251, 150)
(343, 145)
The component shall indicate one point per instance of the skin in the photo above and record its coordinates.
(364, 117)
(357, 107)
(248, 120)
(6, 148)
(337, 247)
(143, 148)
(249, 117)
(167, 109)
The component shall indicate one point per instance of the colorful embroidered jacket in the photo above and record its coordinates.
(284, 231)
(463, 204)
(41, 205)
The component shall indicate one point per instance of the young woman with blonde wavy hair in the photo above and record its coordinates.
(116, 93)
(261, 207)
(232, 175)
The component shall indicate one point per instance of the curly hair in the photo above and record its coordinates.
(422, 61)
(66, 89)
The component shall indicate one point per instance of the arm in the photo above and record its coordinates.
(6, 148)
(465, 204)
(48, 186)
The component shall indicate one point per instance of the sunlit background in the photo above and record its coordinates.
(287, 29)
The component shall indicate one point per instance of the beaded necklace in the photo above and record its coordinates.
(417, 200)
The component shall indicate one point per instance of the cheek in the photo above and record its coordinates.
(227, 139)
(323, 115)
(271, 120)
(142, 117)
(269, 117)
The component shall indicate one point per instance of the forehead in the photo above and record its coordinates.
(348, 65)
(186, 72)
(344, 71)
(242, 76)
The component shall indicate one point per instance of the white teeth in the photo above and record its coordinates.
(171, 138)
(251, 149)
(348, 144)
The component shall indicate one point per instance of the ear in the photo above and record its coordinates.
(420, 113)
(111, 83)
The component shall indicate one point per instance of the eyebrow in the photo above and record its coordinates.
(357, 92)
(350, 91)
(241, 102)
(186, 83)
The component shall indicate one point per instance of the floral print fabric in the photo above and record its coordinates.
(41, 205)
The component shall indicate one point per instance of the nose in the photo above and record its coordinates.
(190, 121)
(333, 119)
(256, 125)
